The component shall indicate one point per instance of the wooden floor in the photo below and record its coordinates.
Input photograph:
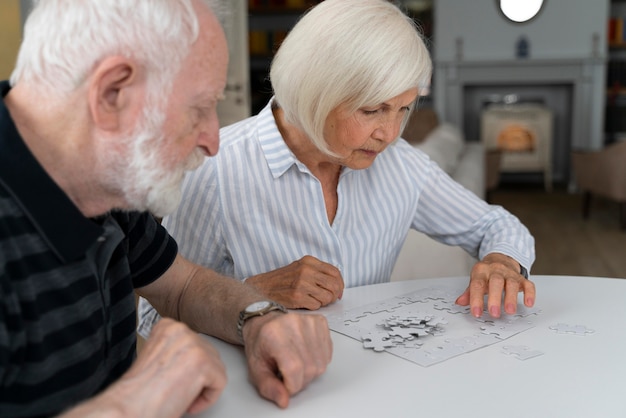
(566, 244)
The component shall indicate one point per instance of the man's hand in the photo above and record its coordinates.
(176, 372)
(495, 274)
(180, 368)
(307, 283)
(285, 352)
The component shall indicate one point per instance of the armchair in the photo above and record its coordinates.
(602, 173)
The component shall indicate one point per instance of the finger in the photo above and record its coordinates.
(334, 285)
(309, 356)
(271, 387)
(205, 399)
(529, 292)
(330, 280)
(494, 300)
(316, 295)
(477, 290)
(311, 303)
(326, 268)
(325, 295)
(464, 298)
(175, 354)
(512, 288)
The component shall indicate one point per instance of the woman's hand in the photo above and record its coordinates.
(494, 275)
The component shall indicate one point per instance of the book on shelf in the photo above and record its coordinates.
(265, 43)
(292, 4)
(615, 31)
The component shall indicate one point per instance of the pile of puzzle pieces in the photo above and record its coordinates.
(403, 331)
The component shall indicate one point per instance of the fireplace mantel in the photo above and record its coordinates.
(586, 76)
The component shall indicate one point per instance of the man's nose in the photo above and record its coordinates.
(209, 137)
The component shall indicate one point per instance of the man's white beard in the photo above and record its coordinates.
(158, 189)
(140, 171)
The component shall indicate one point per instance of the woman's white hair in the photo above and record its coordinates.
(65, 39)
(353, 52)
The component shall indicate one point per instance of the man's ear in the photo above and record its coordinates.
(114, 90)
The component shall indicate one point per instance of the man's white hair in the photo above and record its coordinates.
(65, 39)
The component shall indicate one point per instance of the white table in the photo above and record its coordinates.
(577, 376)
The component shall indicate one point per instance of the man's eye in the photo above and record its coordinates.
(202, 112)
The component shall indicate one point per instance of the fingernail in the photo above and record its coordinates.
(510, 308)
(494, 311)
(476, 312)
(530, 301)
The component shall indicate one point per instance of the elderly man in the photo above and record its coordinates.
(110, 103)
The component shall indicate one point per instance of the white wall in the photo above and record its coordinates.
(563, 29)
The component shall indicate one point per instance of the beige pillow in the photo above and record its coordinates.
(444, 145)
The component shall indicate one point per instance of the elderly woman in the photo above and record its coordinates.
(318, 191)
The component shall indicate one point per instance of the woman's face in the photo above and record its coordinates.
(358, 137)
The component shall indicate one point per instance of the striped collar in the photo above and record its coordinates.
(277, 154)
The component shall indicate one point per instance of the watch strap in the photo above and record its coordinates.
(245, 315)
(523, 271)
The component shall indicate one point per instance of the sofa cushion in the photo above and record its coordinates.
(421, 122)
(444, 145)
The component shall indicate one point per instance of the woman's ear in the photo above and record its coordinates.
(114, 89)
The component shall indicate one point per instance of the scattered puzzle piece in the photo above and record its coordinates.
(521, 351)
(561, 328)
(377, 341)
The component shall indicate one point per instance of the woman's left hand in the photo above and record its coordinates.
(494, 274)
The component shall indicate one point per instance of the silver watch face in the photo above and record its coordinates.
(258, 306)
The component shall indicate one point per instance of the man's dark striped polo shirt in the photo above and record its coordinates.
(67, 312)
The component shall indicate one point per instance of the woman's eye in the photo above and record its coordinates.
(369, 112)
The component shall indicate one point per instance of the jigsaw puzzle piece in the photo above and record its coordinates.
(440, 293)
(402, 332)
(377, 341)
(466, 343)
(355, 318)
(561, 328)
(522, 352)
(417, 296)
(435, 322)
(507, 328)
(415, 343)
(524, 311)
(384, 306)
(451, 307)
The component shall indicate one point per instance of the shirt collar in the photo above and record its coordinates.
(68, 232)
(277, 154)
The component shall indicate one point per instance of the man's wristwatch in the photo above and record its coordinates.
(259, 308)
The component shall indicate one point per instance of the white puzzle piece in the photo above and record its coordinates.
(522, 352)
(561, 328)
